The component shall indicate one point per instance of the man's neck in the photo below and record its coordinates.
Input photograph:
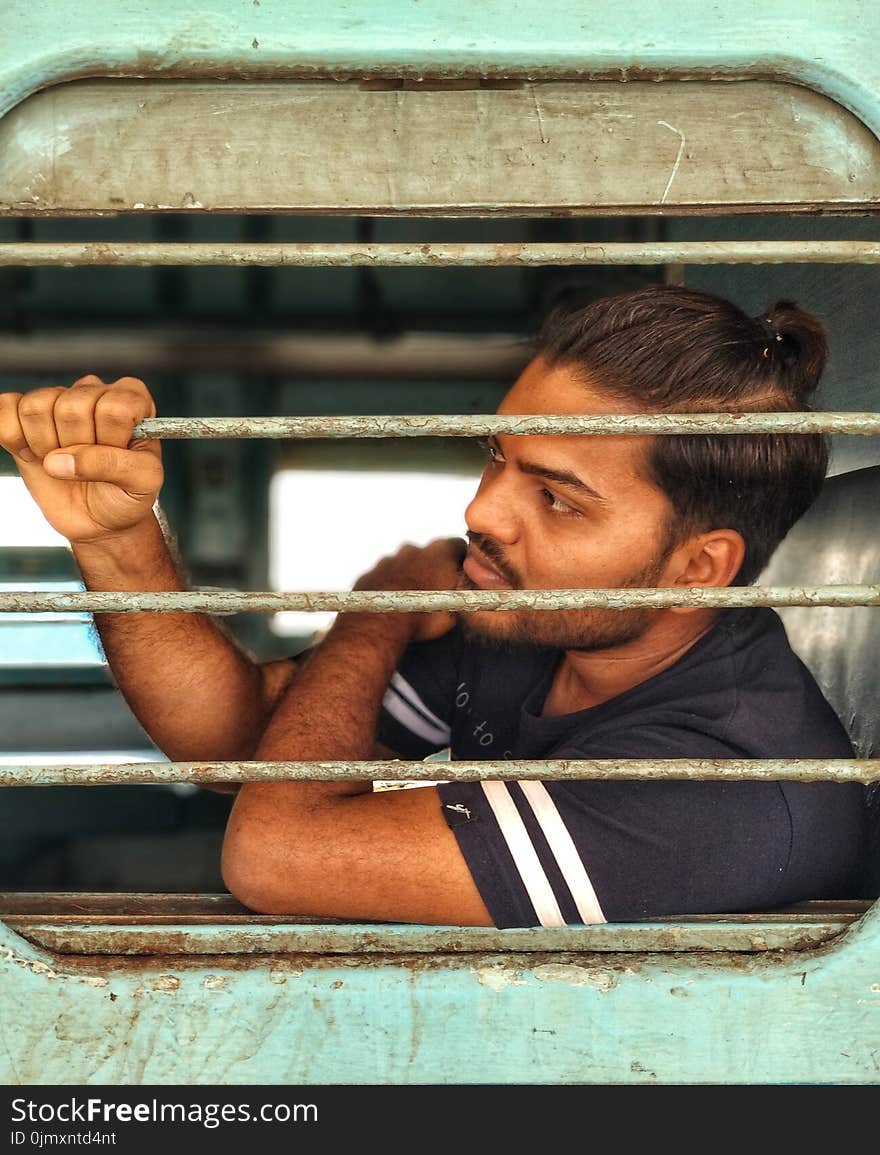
(585, 679)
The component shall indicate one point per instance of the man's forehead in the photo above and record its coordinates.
(563, 389)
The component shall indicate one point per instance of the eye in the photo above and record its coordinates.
(557, 505)
(492, 452)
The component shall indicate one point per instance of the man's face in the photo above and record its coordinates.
(564, 513)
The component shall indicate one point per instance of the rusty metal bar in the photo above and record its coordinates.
(693, 769)
(257, 938)
(421, 601)
(489, 425)
(72, 253)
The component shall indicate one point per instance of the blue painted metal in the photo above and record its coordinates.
(808, 1016)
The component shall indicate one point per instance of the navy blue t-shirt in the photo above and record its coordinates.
(554, 852)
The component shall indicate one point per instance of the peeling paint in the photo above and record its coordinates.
(499, 977)
(166, 983)
(38, 968)
(579, 976)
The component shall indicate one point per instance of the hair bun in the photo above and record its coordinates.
(803, 349)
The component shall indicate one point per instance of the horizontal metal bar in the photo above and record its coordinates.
(692, 769)
(419, 601)
(754, 934)
(490, 425)
(72, 253)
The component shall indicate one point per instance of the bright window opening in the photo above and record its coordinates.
(327, 527)
(39, 640)
(22, 524)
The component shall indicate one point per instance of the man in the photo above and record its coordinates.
(551, 512)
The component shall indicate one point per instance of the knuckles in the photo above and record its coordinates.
(123, 404)
(123, 408)
(38, 403)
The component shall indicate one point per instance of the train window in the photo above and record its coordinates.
(459, 131)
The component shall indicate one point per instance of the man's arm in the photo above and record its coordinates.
(336, 848)
(197, 695)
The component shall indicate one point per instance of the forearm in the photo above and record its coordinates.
(188, 684)
(330, 713)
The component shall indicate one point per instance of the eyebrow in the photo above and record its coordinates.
(560, 477)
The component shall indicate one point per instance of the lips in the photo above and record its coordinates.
(481, 571)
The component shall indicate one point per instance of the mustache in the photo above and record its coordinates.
(493, 551)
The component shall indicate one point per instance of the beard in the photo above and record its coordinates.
(584, 630)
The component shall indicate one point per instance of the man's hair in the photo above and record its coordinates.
(670, 349)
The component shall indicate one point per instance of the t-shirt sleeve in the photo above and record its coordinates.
(416, 712)
(552, 853)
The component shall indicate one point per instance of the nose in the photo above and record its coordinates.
(492, 511)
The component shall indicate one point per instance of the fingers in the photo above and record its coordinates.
(36, 420)
(455, 547)
(138, 471)
(107, 414)
(74, 415)
(37, 423)
(120, 409)
(12, 437)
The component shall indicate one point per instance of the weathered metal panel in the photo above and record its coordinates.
(641, 769)
(119, 938)
(152, 908)
(810, 1016)
(828, 46)
(151, 924)
(562, 148)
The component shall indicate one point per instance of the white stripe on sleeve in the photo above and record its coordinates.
(406, 691)
(564, 851)
(413, 721)
(520, 845)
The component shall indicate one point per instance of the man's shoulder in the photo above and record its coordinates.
(741, 691)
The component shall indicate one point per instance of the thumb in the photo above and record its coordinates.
(136, 471)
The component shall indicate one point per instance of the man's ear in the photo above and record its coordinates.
(707, 559)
